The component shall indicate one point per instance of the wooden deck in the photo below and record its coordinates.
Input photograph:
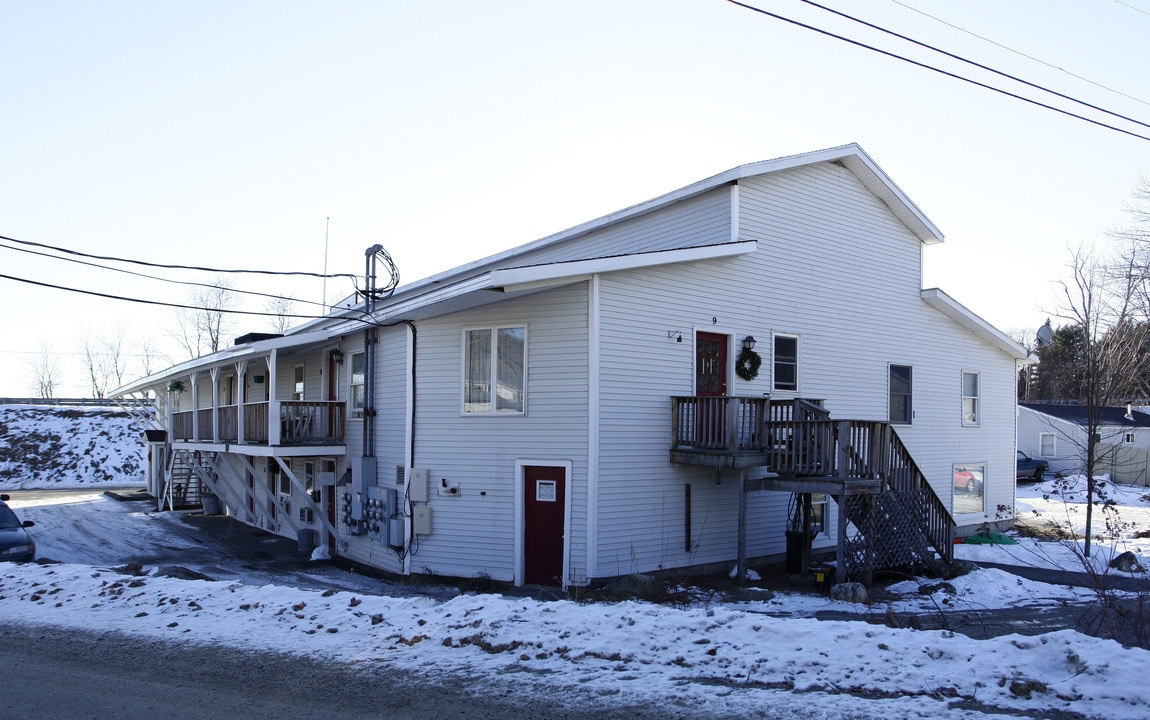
(896, 516)
(297, 423)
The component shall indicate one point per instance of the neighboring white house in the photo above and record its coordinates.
(1057, 434)
(581, 407)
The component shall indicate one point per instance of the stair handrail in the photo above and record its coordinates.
(872, 450)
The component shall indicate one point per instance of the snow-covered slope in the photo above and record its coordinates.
(44, 446)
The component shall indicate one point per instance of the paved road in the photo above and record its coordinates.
(51, 673)
(90, 527)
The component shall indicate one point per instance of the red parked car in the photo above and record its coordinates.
(966, 480)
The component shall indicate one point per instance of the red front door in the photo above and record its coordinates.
(544, 492)
(710, 382)
(710, 364)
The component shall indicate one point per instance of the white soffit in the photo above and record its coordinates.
(950, 307)
(510, 278)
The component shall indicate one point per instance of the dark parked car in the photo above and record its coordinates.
(1031, 469)
(15, 542)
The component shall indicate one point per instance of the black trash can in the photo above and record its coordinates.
(794, 551)
(306, 539)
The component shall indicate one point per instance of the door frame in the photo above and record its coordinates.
(520, 509)
(729, 370)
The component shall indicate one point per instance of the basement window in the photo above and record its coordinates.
(969, 488)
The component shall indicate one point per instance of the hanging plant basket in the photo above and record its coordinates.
(176, 386)
(748, 364)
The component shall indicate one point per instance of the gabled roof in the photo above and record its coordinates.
(1111, 416)
(484, 273)
(959, 313)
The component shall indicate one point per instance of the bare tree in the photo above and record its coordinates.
(281, 307)
(1099, 304)
(200, 330)
(149, 356)
(45, 370)
(104, 359)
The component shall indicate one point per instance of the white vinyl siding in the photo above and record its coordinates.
(475, 531)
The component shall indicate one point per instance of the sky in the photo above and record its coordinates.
(291, 136)
(718, 657)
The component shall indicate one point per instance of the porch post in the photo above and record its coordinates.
(215, 404)
(241, 398)
(741, 567)
(195, 408)
(805, 553)
(275, 424)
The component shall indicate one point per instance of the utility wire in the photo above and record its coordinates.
(181, 306)
(937, 70)
(170, 267)
(154, 277)
(1132, 7)
(979, 65)
(1022, 54)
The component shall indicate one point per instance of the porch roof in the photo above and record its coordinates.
(221, 358)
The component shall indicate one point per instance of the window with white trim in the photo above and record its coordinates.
(356, 380)
(786, 362)
(901, 399)
(297, 383)
(1046, 446)
(969, 488)
(494, 370)
(971, 398)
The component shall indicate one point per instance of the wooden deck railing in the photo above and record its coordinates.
(311, 423)
(301, 423)
(229, 423)
(861, 449)
(204, 423)
(256, 423)
(718, 424)
(183, 427)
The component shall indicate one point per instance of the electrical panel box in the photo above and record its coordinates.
(421, 520)
(395, 532)
(417, 489)
(362, 475)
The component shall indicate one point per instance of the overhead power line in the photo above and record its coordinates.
(173, 305)
(938, 70)
(154, 277)
(978, 65)
(172, 267)
(1025, 55)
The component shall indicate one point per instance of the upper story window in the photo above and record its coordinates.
(297, 383)
(786, 359)
(901, 399)
(494, 370)
(355, 389)
(971, 398)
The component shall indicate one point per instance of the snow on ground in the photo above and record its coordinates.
(48, 446)
(1061, 503)
(707, 658)
(712, 658)
(716, 658)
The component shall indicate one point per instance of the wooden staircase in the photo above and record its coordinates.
(898, 520)
(184, 489)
